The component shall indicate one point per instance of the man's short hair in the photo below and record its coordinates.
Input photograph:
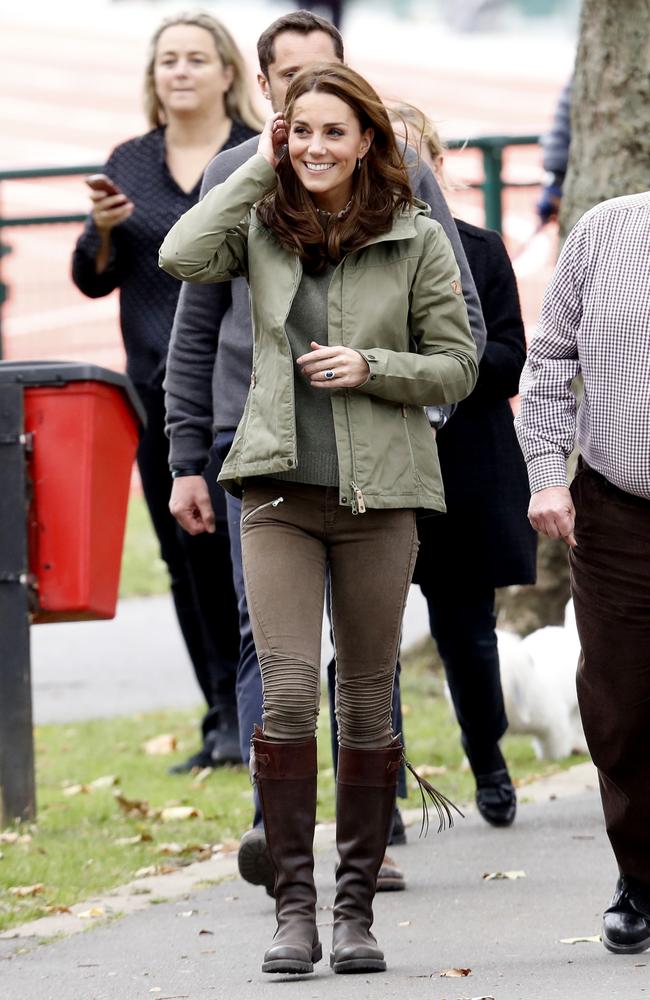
(304, 23)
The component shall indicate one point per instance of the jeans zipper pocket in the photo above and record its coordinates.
(256, 510)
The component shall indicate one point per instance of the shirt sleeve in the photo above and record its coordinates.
(546, 422)
(210, 241)
(84, 275)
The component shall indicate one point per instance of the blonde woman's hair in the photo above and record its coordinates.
(421, 134)
(238, 102)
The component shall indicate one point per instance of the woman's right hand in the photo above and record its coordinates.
(109, 210)
(273, 140)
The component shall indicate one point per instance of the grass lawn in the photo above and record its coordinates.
(78, 847)
(143, 571)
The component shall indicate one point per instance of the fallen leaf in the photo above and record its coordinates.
(206, 932)
(169, 849)
(202, 776)
(106, 781)
(429, 771)
(231, 899)
(139, 838)
(94, 911)
(172, 813)
(9, 837)
(229, 846)
(594, 939)
(132, 807)
(186, 913)
(71, 790)
(158, 746)
(209, 951)
(22, 891)
(456, 973)
(491, 876)
(56, 908)
(404, 923)
(146, 872)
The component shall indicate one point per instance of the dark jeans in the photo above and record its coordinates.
(610, 580)
(199, 567)
(463, 622)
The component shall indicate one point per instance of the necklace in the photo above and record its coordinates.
(327, 216)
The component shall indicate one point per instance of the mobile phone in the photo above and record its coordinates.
(100, 182)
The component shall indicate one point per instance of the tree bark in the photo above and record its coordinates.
(609, 157)
(610, 114)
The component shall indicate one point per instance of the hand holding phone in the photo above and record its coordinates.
(100, 182)
(110, 205)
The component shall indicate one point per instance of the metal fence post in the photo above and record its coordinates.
(17, 784)
(493, 185)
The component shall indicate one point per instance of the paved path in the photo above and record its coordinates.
(507, 932)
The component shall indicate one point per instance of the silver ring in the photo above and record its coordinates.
(330, 374)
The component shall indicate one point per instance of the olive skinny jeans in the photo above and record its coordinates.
(292, 534)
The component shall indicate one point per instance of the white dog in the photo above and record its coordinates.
(539, 688)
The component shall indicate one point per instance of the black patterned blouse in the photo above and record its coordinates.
(148, 295)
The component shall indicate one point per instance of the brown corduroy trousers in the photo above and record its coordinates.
(292, 536)
(610, 578)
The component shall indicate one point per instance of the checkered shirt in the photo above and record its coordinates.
(595, 320)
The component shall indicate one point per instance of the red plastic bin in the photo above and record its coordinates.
(84, 422)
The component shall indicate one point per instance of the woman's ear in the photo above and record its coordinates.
(366, 141)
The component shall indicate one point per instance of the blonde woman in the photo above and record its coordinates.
(197, 103)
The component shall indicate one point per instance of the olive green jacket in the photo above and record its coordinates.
(397, 301)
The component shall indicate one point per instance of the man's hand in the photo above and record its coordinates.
(552, 513)
(191, 505)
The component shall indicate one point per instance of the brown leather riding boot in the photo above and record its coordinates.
(365, 796)
(285, 774)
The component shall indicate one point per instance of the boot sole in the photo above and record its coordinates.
(390, 885)
(293, 966)
(352, 965)
(622, 949)
(255, 865)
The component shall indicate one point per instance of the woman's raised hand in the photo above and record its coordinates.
(334, 367)
(109, 210)
(273, 140)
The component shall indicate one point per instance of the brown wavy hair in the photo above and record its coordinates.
(238, 103)
(380, 186)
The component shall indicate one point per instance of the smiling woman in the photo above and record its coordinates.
(358, 323)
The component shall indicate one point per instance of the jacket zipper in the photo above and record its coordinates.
(256, 510)
(358, 502)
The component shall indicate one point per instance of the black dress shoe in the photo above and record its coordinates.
(225, 739)
(496, 797)
(625, 930)
(397, 830)
(197, 762)
(254, 861)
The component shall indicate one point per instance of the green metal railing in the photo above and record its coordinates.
(492, 187)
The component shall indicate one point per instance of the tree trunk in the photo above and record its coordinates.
(609, 157)
(610, 114)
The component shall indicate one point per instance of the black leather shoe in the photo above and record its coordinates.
(496, 797)
(198, 761)
(625, 930)
(254, 861)
(397, 830)
(225, 739)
